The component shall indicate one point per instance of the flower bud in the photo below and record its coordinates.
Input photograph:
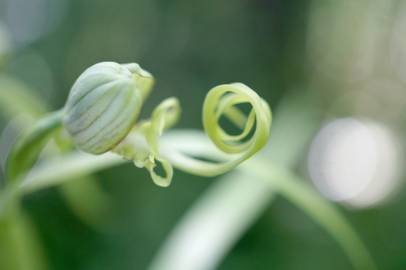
(104, 104)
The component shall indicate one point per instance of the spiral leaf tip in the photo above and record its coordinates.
(223, 101)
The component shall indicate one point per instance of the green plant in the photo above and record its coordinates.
(102, 109)
(101, 119)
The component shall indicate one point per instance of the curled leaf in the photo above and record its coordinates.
(222, 101)
(142, 144)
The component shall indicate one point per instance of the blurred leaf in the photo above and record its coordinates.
(17, 98)
(212, 226)
(19, 248)
(27, 149)
(65, 167)
(318, 208)
(88, 201)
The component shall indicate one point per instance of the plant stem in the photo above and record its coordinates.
(325, 214)
(25, 152)
(19, 246)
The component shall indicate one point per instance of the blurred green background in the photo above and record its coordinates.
(346, 59)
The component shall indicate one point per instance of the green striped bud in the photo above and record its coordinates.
(104, 104)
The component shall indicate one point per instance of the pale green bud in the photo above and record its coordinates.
(104, 104)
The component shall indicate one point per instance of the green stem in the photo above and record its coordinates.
(19, 246)
(325, 214)
(25, 152)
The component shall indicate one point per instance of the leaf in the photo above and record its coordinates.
(25, 152)
(59, 169)
(212, 226)
(19, 245)
(88, 201)
(319, 209)
(17, 98)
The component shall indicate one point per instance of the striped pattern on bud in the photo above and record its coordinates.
(103, 105)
